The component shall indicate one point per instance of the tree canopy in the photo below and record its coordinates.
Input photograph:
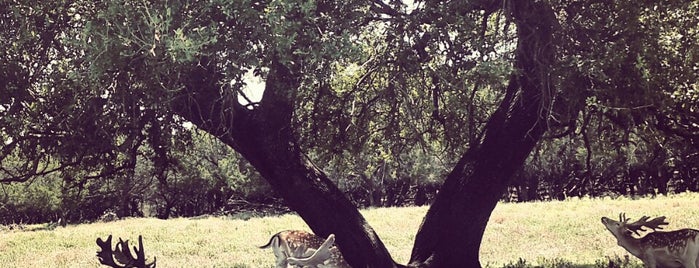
(389, 96)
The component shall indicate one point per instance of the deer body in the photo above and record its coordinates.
(295, 248)
(672, 249)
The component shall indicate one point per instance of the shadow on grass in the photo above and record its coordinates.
(609, 262)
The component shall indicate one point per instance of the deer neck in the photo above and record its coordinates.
(631, 244)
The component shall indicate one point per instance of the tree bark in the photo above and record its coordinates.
(264, 136)
(452, 230)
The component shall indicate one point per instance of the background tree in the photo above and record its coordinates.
(624, 142)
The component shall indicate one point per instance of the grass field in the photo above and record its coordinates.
(540, 233)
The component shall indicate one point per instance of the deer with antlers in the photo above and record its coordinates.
(295, 248)
(673, 249)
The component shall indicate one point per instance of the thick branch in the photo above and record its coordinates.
(471, 191)
(265, 137)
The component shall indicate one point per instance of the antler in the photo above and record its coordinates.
(122, 254)
(300, 250)
(319, 256)
(654, 224)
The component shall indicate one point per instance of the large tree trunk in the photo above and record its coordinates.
(264, 136)
(452, 230)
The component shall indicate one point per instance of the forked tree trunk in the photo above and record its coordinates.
(452, 230)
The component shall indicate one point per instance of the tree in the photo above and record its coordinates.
(629, 75)
(93, 85)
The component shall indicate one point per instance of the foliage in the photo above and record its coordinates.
(633, 136)
(203, 178)
(29, 203)
(390, 95)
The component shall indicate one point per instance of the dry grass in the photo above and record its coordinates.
(537, 232)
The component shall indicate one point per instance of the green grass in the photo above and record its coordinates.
(553, 234)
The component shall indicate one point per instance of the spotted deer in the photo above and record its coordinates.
(295, 248)
(673, 249)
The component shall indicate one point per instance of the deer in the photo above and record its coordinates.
(296, 248)
(671, 249)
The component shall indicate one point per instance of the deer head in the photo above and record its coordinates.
(121, 256)
(623, 228)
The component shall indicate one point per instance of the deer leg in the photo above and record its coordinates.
(281, 258)
(690, 256)
(281, 263)
(690, 262)
(649, 262)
